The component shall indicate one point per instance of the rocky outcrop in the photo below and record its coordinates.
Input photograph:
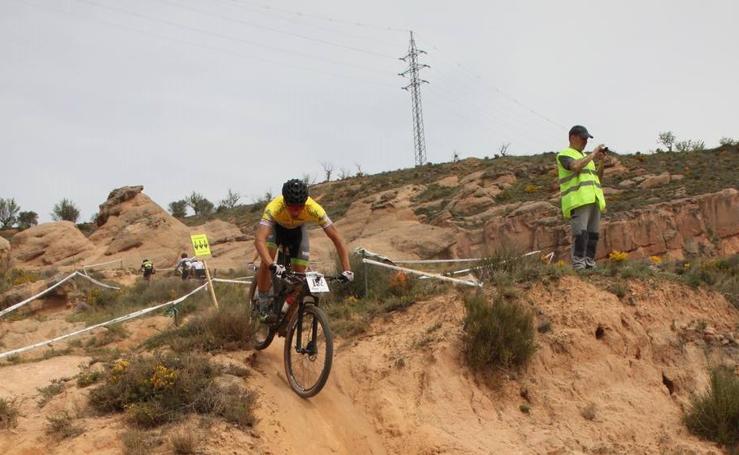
(4, 254)
(59, 244)
(133, 223)
(113, 205)
(705, 224)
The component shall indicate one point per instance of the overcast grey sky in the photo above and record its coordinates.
(207, 95)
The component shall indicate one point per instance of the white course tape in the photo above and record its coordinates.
(32, 298)
(436, 261)
(101, 284)
(126, 317)
(50, 288)
(459, 272)
(85, 267)
(423, 274)
(223, 280)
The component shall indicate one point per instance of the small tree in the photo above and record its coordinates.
(230, 200)
(503, 149)
(328, 168)
(178, 209)
(8, 211)
(308, 179)
(690, 146)
(359, 170)
(343, 174)
(199, 204)
(667, 139)
(728, 141)
(65, 210)
(27, 219)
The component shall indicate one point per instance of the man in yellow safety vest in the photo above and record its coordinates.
(582, 195)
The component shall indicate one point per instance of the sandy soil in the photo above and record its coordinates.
(403, 386)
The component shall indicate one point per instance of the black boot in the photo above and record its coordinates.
(579, 242)
(591, 247)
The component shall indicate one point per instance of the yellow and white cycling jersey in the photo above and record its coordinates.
(276, 212)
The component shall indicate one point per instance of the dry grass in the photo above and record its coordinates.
(227, 328)
(50, 391)
(62, 425)
(185, 441)
(9, 412)
(139, 442)
(714, 415)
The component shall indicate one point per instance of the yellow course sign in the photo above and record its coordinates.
(200, 244)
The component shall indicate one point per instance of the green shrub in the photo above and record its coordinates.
(62, 426)
(50, 391)
(721, 274)
(157, 389)
(377, 280)
(715, 414)
(227, 328)
(500, 335)
(232, 403)
(9, 413)
(507, 267)
(619, 289)
(106, 305)
(88, 377)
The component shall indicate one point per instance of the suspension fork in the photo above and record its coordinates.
(314, 327)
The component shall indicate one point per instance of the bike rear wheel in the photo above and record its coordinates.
(263, 332)
(307, 369)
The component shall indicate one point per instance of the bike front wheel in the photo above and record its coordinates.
(263, 333)
(309, 351)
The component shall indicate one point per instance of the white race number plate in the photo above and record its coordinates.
(316, 282)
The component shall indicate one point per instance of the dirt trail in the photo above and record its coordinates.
(403, 387)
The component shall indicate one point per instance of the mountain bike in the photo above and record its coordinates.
(309, 344)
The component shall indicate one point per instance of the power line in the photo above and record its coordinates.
(478, 79)
(419, 140)
(303, 21)
(226, 37)
(205, 46)
(326, 18)
(497, 117)
(284, 32)
(461, 111)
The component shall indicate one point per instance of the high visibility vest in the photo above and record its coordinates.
(579, 188)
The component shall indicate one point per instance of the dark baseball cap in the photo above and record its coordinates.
(581, 131)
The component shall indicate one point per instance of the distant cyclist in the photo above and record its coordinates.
(198, 268)
(183, 266)
(284, 224)
(147, 268)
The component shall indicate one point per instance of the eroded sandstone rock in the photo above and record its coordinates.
(59, 243)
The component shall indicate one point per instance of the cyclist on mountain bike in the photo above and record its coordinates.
(284, 224)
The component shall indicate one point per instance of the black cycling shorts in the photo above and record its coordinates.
(296, 240)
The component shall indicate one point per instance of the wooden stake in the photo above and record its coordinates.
(211, 291)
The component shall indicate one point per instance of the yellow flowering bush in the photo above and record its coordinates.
(120, 366)
(656, 260)
(163, 377)
(618, 256)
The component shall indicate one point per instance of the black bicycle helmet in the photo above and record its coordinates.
(295, 191)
